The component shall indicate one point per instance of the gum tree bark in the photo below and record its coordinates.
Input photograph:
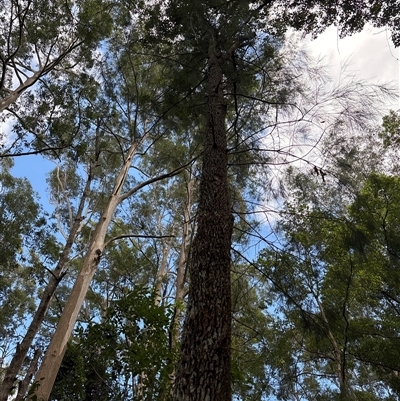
(203, 372)
(47, 373)
(53, 357)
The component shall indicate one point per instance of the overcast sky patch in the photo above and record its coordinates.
(370, 55)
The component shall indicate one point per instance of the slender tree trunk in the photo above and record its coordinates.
(24, 384)
(57, 274)
(162, 270)
(140, 386)
(203, 372)
(339, 360)
(180, 280)
(182, 263)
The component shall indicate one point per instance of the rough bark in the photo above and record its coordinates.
(56, 275)
(203, 372)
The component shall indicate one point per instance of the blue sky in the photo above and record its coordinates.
(35, 168)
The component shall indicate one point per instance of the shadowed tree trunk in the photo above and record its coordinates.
(24, 384)
(203, 371)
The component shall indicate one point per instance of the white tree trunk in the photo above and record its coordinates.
(47, 373)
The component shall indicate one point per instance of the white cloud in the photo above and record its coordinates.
(369, 54)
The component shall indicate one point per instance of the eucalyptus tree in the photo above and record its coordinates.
(146, 249)
(83, 116)
(97, 122)
(71, 198)
(129, 126)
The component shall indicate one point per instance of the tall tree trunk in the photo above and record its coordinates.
(180, 278)
(24, 384)
(41, 311)
(47, 373)
(162, 272)
(140, 383)
(203, 372)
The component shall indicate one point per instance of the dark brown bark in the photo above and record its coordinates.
(56, 275)
(203, 372)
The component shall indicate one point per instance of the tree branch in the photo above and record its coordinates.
(155, 179)
(136, 236)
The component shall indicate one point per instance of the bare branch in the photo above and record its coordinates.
(136, 236)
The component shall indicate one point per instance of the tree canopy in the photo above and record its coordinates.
(172, 126)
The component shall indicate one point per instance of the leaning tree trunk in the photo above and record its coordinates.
(47, 373)
(203, 372)
(53, 357)
(24, 384)
(56, 276)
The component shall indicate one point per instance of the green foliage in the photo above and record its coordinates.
(335, 286)
(336, 276)
(390, 132)
(249, 332)
(348, 15)
(19, 221)
(50, 34)
(127, 354)
(377, 208)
